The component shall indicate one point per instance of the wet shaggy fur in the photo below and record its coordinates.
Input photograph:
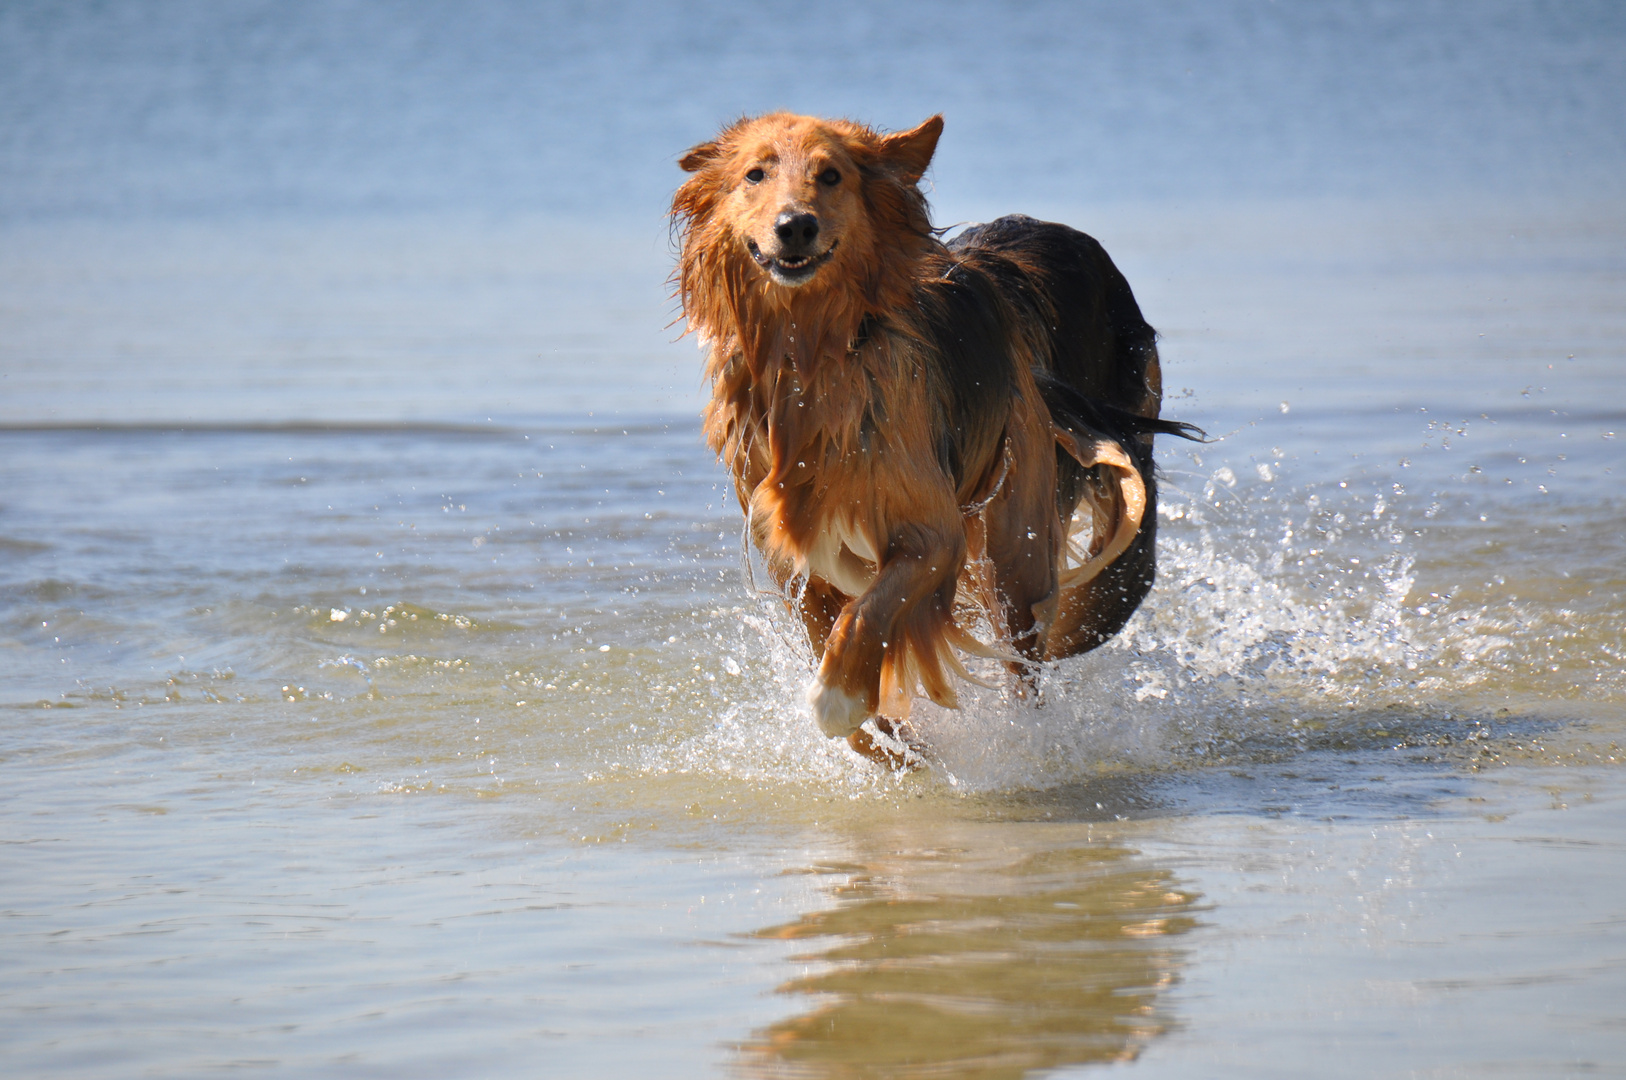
(920, 433)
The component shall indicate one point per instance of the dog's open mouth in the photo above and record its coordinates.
(789, 270)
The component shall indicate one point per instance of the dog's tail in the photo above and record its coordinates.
(1073, 411)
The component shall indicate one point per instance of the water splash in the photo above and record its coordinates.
(1282, 612)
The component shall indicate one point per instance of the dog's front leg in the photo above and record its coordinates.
(893, 635)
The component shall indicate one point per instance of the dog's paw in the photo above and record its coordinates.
(893, 744)
(837, 712)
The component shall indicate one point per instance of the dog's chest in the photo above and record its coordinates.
(844, 446)
(842, 553)
(832, 463)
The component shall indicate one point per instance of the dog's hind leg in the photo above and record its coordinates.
(1108, 489)
(1095, 610)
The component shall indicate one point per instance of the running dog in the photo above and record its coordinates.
(921, 434)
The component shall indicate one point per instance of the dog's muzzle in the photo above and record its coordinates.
(789, 269)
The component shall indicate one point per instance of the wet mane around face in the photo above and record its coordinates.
(763, 171)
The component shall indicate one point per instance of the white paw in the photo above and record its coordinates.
(837, 712)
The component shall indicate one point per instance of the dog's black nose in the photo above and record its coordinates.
(796, 230)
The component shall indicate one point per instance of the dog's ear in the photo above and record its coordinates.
(909, 152)
(699, 157)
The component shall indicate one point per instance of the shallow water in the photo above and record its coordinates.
(381, 691)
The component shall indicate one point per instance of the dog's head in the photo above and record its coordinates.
(796, 194)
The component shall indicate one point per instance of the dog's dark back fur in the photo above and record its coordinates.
(1054, 288)
(1096, 365)
(1073, 300)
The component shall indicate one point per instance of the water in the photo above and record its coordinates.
(382, 694)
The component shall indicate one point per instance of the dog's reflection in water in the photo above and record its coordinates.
(943, 966)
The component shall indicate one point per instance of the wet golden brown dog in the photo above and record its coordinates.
(920, 433)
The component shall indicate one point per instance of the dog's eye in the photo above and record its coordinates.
(755, 176)
(830, 177)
